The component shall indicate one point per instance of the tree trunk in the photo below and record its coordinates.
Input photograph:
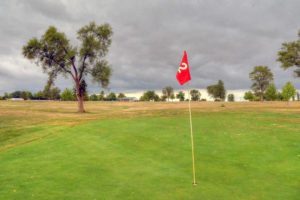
(79, 98)
(80, 104)
(261, 94)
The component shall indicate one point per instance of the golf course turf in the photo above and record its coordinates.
(143, 151)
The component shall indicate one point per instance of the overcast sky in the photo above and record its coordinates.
(224, 39)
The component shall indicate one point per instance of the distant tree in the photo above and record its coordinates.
(93, 97)
(180, 96)
(279, 96)
(195, 95)
(56, 55)
(26, 95)
(298, 96)
(261, 77)
(39, 95)
(168, 92)
(111, 97)
(289, 55)
(271, 93)
(217, 91)
(67, 95)
(102, 96)
(48, 86)
(54, 93)
(149, 96)
(51, 93)
(230, 97)
(29, 94)
(6, 96)
(121, 95)
(163, 98)
(249, 96)
(16, 94)
(288, 91)
(172, 97)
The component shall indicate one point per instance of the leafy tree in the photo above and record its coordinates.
(149, 96)
(39, 95)
(48, 86)
(29, 94)
(6, 96)
(163, 98)
(168, 92)
(249, 96)
(217, 91)
(102, 96)
(279, 96)
(111, 97)
(67, 95)
(230, 97)
(93, 97)
(195, 95)
(261, 77)
(26, 95)
(16, 94)
(121, 95)
(180, 96)
(271, 93)
(54, 93)
(288, 91)
(54, 53)
(289, 55)
(172, 97)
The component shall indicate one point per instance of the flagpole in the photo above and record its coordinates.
(192, 137)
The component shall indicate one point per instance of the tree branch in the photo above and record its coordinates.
(83, 66)
(59, 64)
(74, 68)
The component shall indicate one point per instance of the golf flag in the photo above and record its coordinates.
(183, 73)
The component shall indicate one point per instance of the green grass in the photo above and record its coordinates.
(239, 155)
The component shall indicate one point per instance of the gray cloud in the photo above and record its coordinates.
(224, 39)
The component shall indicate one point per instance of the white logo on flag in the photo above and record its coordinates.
(183, 66)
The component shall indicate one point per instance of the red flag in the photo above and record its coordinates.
(183, 73)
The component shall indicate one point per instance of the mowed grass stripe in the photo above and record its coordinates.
(238, 156)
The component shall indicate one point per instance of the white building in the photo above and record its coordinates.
(16, 99)
(238, 94)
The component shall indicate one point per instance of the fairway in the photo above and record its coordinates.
(142, 150)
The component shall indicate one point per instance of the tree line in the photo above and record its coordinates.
(216, 91)
(263, 89)
(67, 94)
(267, 92)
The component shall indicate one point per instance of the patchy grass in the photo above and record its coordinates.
(142, 151)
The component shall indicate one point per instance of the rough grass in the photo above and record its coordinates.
(142, 151)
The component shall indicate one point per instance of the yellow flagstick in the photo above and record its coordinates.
(192, 139)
